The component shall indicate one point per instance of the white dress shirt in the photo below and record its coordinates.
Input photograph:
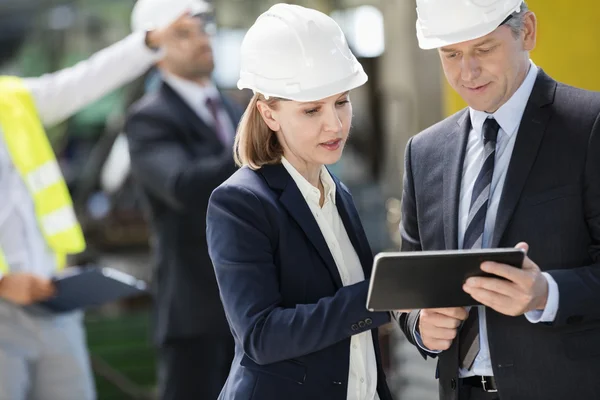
(362, 376)
(195, 96)
(509, 118)
(57, 96)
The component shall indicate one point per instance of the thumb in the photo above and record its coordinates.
(523, 246)
(527, 263)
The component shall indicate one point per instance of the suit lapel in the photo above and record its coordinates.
(278, 178)
(529, 137)
(456, 143)
(351, 222)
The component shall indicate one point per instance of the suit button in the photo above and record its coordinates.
(354, 327)
(368, 321)
(453, 384)
(361, 324)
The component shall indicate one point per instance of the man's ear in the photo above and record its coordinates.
(529, 31)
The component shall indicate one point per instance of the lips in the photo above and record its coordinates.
(332, 144)
(477, 88)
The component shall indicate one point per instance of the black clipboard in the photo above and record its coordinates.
(430, 279)
(85, 287)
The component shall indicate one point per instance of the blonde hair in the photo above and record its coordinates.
(255, 143)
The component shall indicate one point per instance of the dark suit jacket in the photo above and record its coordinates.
(291, 317)
(551, 200)
(178, 160)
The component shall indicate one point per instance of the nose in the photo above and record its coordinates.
(332, 121)
(470, 68)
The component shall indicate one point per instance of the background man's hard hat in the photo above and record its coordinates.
(153, 14)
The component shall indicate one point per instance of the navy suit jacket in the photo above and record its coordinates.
(291, 317)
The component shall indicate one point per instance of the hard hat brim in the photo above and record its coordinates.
(145, 15)
(448, 40)
(315, 94)
(479, 31)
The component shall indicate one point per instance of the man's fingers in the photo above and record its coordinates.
(437, 333)
(459, 313)
(496, 301)
(42, 288)
(439, 320)
(500, 286)
(437, 345)
(502, 270)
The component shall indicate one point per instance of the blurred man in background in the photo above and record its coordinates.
(43, 355)
(181, 139)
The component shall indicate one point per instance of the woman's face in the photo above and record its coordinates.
(312, 134)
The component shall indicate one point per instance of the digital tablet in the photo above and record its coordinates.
(430, 279)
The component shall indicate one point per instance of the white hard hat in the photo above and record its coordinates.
(153, 14)
(299, 54)
(446, 22)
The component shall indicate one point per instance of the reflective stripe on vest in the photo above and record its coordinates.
(32, 155)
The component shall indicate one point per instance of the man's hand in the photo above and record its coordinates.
(438, 326)
(524, 290)
(157, 37)
(24, 288)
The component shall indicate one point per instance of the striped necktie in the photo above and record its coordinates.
(469, 333)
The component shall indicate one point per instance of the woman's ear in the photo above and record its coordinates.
(268, 115)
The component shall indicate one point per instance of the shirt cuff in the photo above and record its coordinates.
(549, 313)
(419, 340)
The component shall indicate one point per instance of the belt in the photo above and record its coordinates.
(486, 383)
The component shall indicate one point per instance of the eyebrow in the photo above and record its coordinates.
(318, 103)
(482, 43)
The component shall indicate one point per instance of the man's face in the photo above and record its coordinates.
(487, 71)
(189, 52)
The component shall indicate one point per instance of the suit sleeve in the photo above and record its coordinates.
(579, 288)
(241, 242)
(165, 168)
(409, 230)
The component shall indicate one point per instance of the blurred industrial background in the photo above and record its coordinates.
(405, 94)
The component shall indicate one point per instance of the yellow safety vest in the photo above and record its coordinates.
(32, 155)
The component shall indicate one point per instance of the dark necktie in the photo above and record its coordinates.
(469, 333)
(214, 107)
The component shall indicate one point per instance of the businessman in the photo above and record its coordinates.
(180, 140)
(519, 166)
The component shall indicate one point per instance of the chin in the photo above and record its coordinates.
(331, 159)
(479, 105)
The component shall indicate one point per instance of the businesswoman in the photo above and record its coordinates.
(286, 242)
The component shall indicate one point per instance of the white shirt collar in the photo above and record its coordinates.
(193, 94)
(309, 192)
(509, 115)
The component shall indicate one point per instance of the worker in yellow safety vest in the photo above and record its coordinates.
(43, 355)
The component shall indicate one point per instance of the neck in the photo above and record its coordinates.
(310, 172)
(199, 80)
